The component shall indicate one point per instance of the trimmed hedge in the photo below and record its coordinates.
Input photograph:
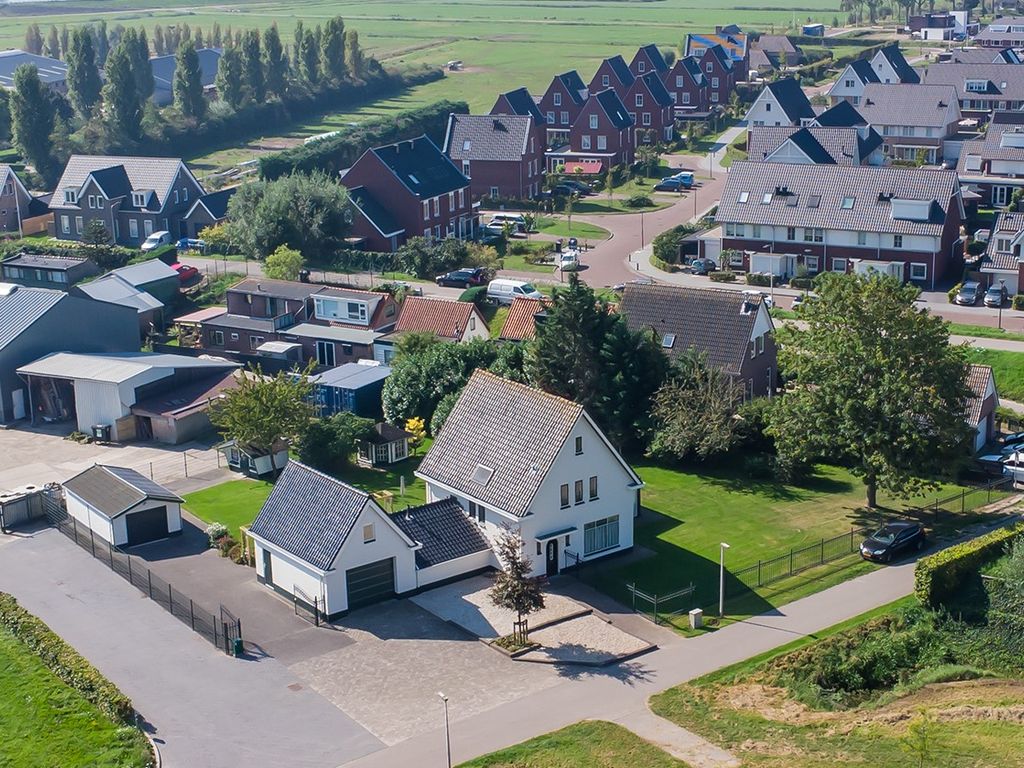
(802, 283)
(952, 292)
(64, 661)
(725, 276)
(667, 246)
(937, 576)
(759, 279)
(1018, 301)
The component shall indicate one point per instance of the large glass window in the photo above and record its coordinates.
(601, 535)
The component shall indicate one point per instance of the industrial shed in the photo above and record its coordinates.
(354, 387)
(122, 506)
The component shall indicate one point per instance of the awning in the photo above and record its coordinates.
(555, 534)
(583, 166)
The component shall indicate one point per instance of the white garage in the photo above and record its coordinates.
(122, 506)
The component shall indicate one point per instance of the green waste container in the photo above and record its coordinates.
(237, 647)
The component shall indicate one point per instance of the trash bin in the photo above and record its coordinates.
(303, 275)
(558, 245)
(101, 432)
(237, 647)
(696, 618)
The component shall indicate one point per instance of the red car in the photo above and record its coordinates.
(186, 273)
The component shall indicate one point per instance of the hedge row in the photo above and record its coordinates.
(64, 661)
(940, 575)
(334, 153)
(760, 279)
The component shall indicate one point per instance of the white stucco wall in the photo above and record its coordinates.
(766, 111)
(457, 567)
(89, 517)
(287, 572)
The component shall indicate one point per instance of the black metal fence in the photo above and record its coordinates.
(664, 607)
(968, 499)
(306, 607)
(796, 560)
(222, 630)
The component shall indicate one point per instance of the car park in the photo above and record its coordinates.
(466, 277)
(893, 539)
(995, 296)
(968, 294)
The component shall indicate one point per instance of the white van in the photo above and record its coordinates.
(503, 291)
(515, 219)
(156, 240)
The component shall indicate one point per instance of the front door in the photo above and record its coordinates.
(268, 573)
(1000, 196)
(552, 557)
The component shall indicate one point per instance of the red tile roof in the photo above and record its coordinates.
(519, 325)
(443, 317)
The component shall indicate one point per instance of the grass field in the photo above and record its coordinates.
(687, 515)
(1007, 367)
(984, 332)
(45, 723)
(594, 744)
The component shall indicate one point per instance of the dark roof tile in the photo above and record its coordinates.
(444, 531)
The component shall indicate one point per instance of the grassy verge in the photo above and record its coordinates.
(1008, 369)
(579, 229)
(983, 332)
(45, 723)
(519, 262)
(593, 744)
(688, 513)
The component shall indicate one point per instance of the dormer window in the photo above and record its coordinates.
(744, 196)
(139, 199)
(71, 196)
(976, 86)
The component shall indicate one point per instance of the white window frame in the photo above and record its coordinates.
(602, 142)
(594, 122)
(918, 271)
(133, 229)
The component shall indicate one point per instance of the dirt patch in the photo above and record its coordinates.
(770, 702)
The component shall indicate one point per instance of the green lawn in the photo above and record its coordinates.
(984, 332)
(687, 514)
(46, 724)
(592, 744)
(1007, 367)
(237, 502)
(559, 227)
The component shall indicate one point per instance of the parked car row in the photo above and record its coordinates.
(971, 292)
(675, 183)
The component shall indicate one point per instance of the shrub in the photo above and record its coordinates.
(1018, 301)
(64, 661)
(237, 554)
(639, 201)
(938, 576)
(477, 294)
(802, 283)
(976, 247)
(666, 246)
(725, 276)
(225, 543)
(759, 278)
(952, 292)
(215, 532)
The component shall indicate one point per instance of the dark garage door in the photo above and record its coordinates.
(370, 583)
(147, 525)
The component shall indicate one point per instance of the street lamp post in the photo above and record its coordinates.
(1003, 284)
(447, 732)
(721, 578)
(642, 229)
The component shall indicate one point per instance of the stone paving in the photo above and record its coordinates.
(589, 640)
(402, 656)
(467, 604)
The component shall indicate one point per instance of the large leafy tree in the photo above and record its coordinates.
(328, 444)
(252, 66)
(265, 409)
(876, 385)
(122, 104)
(32, 120)
(275, 62)
(84, 82)
(188, 83)
(332, 49)
(283, 264)
(5, 116)
(306, 213)
(229, 77)
(694, 411)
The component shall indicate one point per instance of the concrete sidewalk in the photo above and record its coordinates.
(620, 693)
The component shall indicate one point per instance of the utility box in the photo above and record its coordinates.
(696, 618)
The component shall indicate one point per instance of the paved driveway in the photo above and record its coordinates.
(203, 707)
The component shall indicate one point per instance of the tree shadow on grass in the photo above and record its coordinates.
(728, 479)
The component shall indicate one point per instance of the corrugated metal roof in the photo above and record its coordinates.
(352, 375)
(509, 428)
(309, 514)
(444, 531)
(114, 289)
(112, 491)
(20, 307)
(50, 70)
(116, 367)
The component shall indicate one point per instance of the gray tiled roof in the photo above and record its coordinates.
(899, 104)
(378, 215)
(21, 307)
(1000, 30)
(775, 44)
(488, 137)
(114, 490)
(978, 377)
(1005, 81)
(870, 186)
(821, 145)
(791, 98)
(1009, 225)
(984, 56)
(309, 514)
(142, 173)
(509, 428)
(421, 167)
(989, 146)
(707, 321)
(444, 530)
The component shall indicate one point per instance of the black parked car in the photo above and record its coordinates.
(893, 539)
(463, 278)
(576, 186)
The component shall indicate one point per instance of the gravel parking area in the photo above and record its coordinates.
(467, 604)
(588, 640)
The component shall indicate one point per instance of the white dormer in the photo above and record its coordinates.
(71, 196)
(975, 86)
(341, 310)
(911, 210)
(140, 197)
(1014, 139)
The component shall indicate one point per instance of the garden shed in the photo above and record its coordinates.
(122, 506)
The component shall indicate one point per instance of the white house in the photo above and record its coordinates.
(513, 456)
(781, 103)
(320, 541)
(122, 506)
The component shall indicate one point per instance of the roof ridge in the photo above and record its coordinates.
(527, 387)
(332, 478)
